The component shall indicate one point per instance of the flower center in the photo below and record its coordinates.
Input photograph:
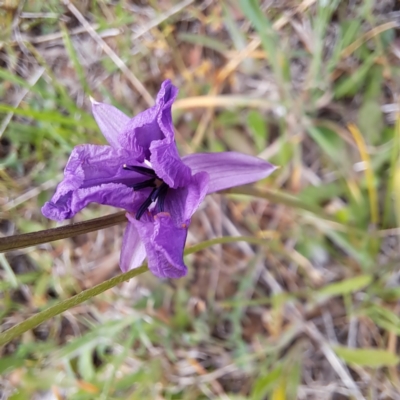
(158, 193)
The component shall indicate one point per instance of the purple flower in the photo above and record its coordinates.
(142, 172)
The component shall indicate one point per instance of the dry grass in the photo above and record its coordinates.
(311, 315)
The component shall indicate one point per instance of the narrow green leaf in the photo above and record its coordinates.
(384, 318)
(370, 120)
(258, 127)
(349, 85)
(7, 364)
(50, 116)
(85, 365)
(348, 32)
(88, 342)
(373, 358)
(10, 77)
(343, 241)
(320, 25)
(264, 383)
(329, 142)
(74, 58)
(346, 287)
(237, 36)
(269, 38)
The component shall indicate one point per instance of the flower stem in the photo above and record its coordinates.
(15, 242)
(64, 305)
(49, 235)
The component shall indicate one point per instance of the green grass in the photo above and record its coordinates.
(315, 308)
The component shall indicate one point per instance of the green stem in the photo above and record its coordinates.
(64, 305)
(42, 316)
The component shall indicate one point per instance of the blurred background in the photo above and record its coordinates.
(311, 86)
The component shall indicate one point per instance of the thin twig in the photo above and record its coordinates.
(32, 81)
(310, 329)
(53, 37)
(161, 18)
(110, 52)
(211, 101)
(34, 192)
(333, 359)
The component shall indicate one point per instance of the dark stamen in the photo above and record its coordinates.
(145, 205)
(144, 184)
(161, 199)
(140, 170)
(158, 191)
(158, 194)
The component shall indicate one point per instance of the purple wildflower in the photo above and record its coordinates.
(142, 172)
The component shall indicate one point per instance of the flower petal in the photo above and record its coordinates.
(111, 122)
(229, 169)
(133, 252)
(183, 202)
(91, 175)
(166, 96)
(164, 243)
(150, 125)
(168, 165)
(91, 165)
(111, 194)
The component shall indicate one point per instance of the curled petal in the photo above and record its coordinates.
(91, 165)
(164, 243)
(166, 96)
(58, 211)
(111, 122)
(150, 125)
(229, 169)
(111, 194)
(133, 252)
(91, 175)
